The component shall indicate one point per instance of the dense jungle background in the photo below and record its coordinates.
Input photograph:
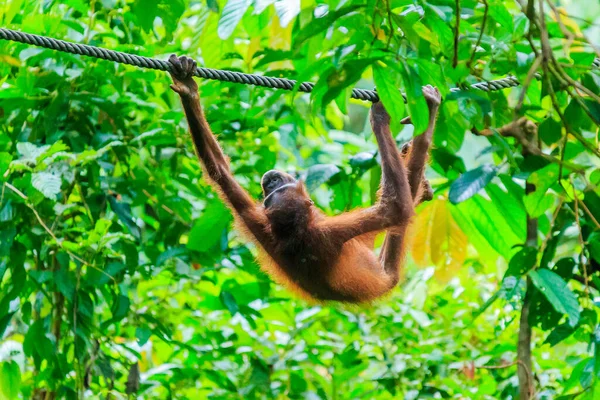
(122, 275)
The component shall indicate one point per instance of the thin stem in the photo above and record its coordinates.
(456, 34)
(483, 24)
(582, 262)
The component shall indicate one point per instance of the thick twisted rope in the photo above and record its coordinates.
(215, 74)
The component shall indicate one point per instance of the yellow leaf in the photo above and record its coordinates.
(437, 239)
(380, 33)
(567, 22)
(439, 235)
(10, 60)
(448, 243)
(252, 48)
(420, 233)
(280, 38)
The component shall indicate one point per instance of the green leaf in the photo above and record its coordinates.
(594, 177)
(298, 384)
(559, 334)
(170, 12)
(65, 283)
(232, 14)
(537, 205)
(170, 253)
(593, 242)
(511, 207)
(521, 23)
(363, 161)
(336, 82)
(319, 174)
(523, 261)
(229, 301)
(48, 184)
(594, 110)
(441, 29)
(145, 11)
(596, 341)
(13, 10)
(30, 152)
(142, 335)
(581, 374)
(4, 321)
(550, 131)
(431, 73)
(471, 182)
(7, 212)
(5, 159)
(466, 99)
(490, 224)
(97, 277)
(543, 178)
(556, 291)
(10, 380)
(120, 307)
(213, 5)
(123, 211)
(389, 94)
(318, 25)
(287, 10)
(208, 229)
(499, 13)
(37, 343)
(415, 101)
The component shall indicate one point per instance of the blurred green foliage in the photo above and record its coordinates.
(121, 272)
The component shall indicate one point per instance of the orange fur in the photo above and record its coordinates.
(318, 257)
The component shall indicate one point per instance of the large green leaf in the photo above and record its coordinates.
(336, 82)
(47, 183)
(12, 10)
(287, 10)
(389, 93)
(596, 341)
(208, 229)
(4, 321)
(550, 131)
(499, 13)
(10, 380)
(65, 283)
(507, 290)
(232, 14)
(537, 205)
(555, 289)
(594, 245)
(319, 174)
(363, 160)
(490, 224)
(538, 202)
(471, 182)
(511, 209)
(30, 152)
(229, 301)
(415, 101)
(559, 334)
(123, 211)
(120, 307)
(318, 25)
(523, 261)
